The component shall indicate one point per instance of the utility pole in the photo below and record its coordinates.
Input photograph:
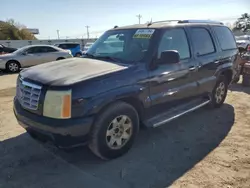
(58, 34)
(139, 18)
(87, 31)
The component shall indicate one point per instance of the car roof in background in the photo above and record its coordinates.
(67, 43)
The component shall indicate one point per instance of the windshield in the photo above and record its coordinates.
(128, 45)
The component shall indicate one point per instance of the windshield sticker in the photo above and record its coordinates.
(143, 33)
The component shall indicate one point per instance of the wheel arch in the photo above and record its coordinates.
(13, 60)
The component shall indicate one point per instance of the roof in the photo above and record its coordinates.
(168, 23)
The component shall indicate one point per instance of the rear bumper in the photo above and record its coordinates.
(63, 133)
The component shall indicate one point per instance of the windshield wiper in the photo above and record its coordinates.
(108, 58)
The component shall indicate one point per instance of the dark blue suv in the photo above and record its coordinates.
(75, 48)
(132, 76)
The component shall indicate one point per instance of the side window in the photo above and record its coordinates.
(225, 37)
(50, 49)
(202, 41)
(32, 50)
(175, 39)
(63, 46)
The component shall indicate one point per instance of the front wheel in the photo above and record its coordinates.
(219, 92)
(13, 67)
(114, 131)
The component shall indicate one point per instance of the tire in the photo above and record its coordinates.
(103, 131)
(78, 55)
(236, 80)
(13, 66)
(60, 58)
(217, 101)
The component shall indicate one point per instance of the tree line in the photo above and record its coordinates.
(11, 30)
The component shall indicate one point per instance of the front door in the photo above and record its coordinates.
(173, 84)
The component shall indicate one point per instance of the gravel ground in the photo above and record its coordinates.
(207, 148)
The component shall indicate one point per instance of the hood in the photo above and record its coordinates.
(69, 71)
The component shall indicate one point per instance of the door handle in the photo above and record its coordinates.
(216, 62)
(192, 68)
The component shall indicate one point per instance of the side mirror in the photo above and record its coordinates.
(170, 57)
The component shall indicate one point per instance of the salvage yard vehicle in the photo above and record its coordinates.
(243, 42)
(74, 47)
(164, 70)
(31, 55)
(6, 50)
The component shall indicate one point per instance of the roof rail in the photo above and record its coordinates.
(200, 21)
(187, 21)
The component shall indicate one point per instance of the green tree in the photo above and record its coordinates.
(243, 23)
(11, 30)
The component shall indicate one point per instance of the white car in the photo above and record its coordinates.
(32, 55)
(243, 41)
(87, 46)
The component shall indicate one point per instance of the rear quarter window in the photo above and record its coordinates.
(225, 37)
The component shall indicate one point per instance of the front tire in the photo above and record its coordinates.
(219, 92)
(13, 66)
(78, 55)
(114, 131)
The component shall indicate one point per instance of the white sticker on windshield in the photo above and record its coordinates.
(144, 33)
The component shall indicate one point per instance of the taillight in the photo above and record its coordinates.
(248, 48)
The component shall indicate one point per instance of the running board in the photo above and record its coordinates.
(175, 113)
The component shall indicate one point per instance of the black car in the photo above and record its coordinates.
(158, 72)
(4, 49)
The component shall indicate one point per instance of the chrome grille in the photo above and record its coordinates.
(28, 94)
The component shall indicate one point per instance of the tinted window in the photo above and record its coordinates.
(225, 37)
(202, 41)
(49, 49)
(67, 46)
(175, 39)
(40, 49)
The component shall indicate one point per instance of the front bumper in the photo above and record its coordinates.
(63, 133)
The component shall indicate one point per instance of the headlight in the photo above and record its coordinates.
(57, 104)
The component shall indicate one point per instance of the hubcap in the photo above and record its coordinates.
(220, 92)
(119, 132)
(13, 67)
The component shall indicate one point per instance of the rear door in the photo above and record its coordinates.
(47, 54)
(173, 84)
(205, 53)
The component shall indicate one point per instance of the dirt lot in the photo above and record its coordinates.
(207, 148)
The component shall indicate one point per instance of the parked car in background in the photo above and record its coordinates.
(87, 46)
(6, 50)
(243, 42)
(74, 47)
(30, 56)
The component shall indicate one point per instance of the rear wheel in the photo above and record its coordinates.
(13, 66)
(78, 55)
(219, 92)
(114, 131)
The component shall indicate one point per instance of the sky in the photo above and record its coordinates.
(71, 17)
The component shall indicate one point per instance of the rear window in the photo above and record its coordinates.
(225, 37)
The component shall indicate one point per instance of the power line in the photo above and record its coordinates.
(139, 18)
(87, 31)
(57, 31)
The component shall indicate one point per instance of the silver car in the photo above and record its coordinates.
(32, 55)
